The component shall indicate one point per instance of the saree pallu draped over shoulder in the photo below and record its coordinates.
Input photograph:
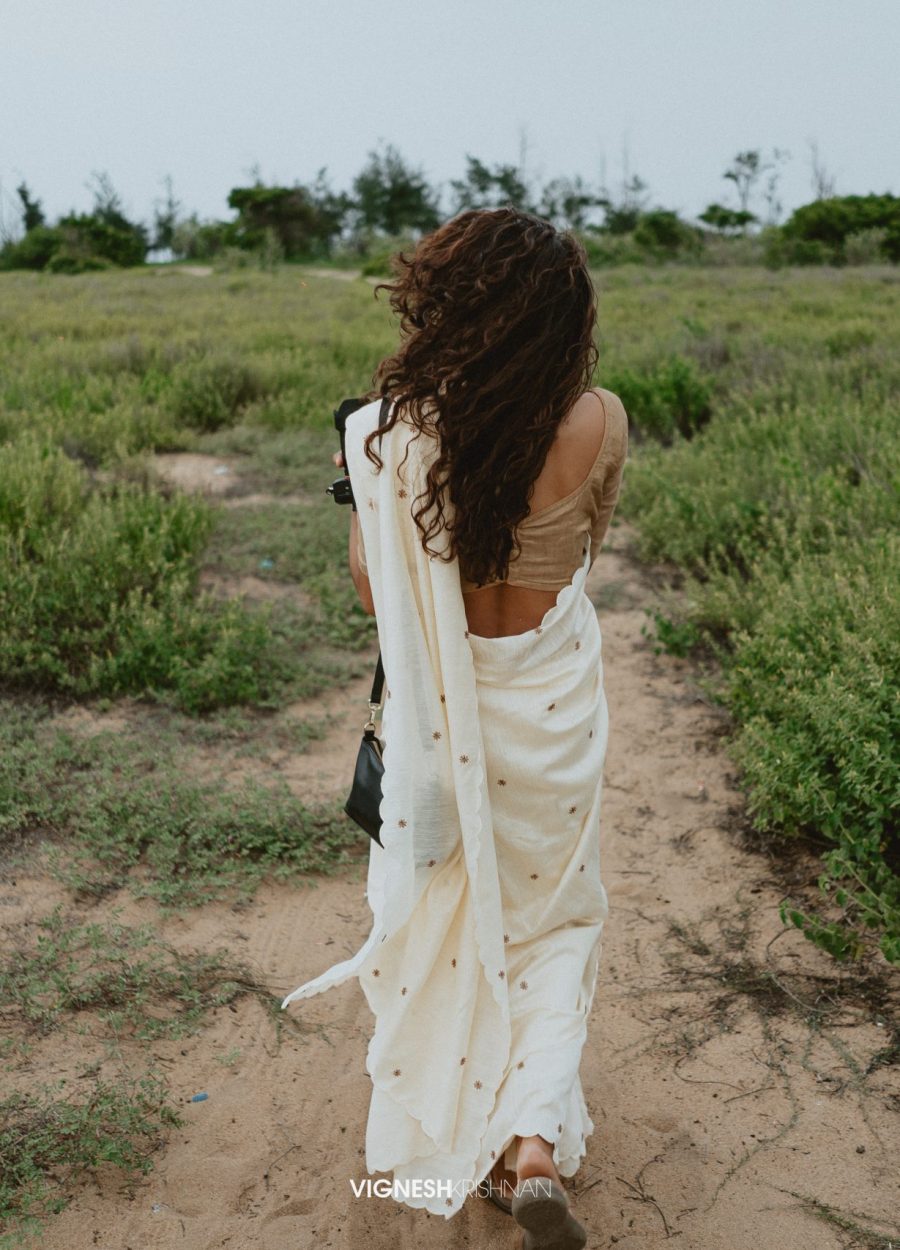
(487, 901)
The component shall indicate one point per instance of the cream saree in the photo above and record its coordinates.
(487, 901)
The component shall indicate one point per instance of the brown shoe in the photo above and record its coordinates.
(541, 1208)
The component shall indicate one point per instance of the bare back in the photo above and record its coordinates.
(498, 610)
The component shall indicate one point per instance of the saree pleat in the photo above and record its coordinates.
(487, 900)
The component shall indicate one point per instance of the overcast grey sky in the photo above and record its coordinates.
(206, 90)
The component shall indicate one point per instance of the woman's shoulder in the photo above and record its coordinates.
(610, 452)
(596, 430)
(614, 447)
(616, 416)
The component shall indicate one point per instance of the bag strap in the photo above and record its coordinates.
(378, 683)
(377, 686)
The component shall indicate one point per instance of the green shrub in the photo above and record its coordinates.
(34, 251)
(642, 238)
(210, 392)
(816, 688)
(377, 252)
(786, 522)
(65, 261)
(295, 222)
(741, 249)
(672, 399)
(662, 234)
(866, 247)
(752, 482)
(815, 682)
(831, 222)
(105, 234)
(849, 339)
(779, 249)
(606, 250)
(97, 591)
(196, 240)
(78, 243)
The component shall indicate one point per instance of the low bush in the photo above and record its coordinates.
(375, 252)
(79, 243)
(815, 686)
(606, 250)
(663, 402)
(866, 247)
(830, 222)
(786, 523)
(33, 251)
(71, 260)
(780, 249)
(209, 392)
(663, 235)
(97, 591)
(823, 477)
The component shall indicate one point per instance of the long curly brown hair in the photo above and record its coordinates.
(497, 312)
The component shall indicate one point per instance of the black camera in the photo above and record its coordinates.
(340, 489)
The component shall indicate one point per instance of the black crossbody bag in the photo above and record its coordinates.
(365, 794)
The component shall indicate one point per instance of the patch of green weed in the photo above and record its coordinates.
(51, 1136)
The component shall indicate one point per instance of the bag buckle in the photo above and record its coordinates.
(370, 723)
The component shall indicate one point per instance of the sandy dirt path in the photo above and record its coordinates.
(726, 1076)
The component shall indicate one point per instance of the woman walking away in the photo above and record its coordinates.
(481, 503)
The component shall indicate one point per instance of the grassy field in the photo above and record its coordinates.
(764, 481)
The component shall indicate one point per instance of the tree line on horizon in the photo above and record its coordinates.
(390, 202)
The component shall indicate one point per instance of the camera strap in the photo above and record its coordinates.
(378, 683)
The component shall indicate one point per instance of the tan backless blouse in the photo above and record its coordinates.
(552, 538)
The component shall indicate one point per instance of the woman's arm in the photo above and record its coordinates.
(610, 471)
(357, 572)
(360, 578)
